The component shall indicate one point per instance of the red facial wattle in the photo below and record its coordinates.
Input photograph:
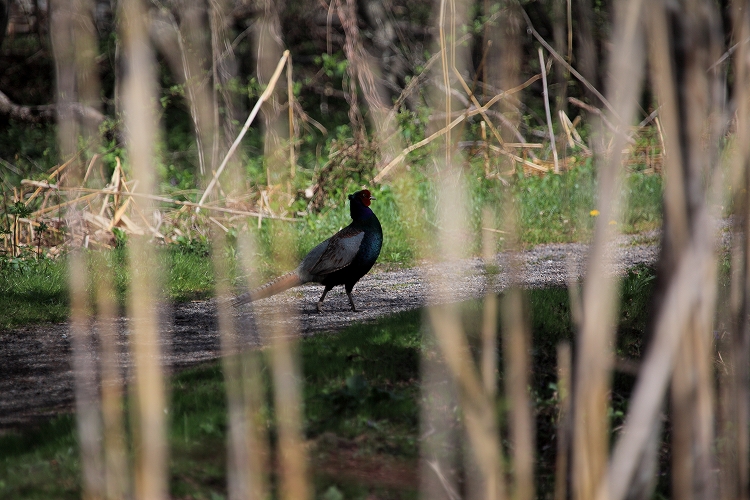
(365, 197)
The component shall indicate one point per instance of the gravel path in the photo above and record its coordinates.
(36, 380)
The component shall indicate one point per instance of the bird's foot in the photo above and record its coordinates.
(354, 309)
(319, 307)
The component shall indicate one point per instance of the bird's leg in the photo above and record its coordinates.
(351, 301)
(320, 301)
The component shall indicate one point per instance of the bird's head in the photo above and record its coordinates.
(359, 205)
(363, 196)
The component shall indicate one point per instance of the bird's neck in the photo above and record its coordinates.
(359, 212)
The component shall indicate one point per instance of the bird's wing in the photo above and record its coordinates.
(337, 252)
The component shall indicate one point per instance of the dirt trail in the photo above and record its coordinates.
(36, 380)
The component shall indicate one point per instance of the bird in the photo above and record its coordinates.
(342, 259)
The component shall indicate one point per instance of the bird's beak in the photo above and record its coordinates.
(373, 198)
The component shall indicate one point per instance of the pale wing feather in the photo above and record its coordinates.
(340, 250)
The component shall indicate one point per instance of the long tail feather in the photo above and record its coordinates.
(278, 285)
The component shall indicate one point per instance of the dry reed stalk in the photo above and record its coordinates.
(443, 131)
(107, 191)
(479, 108)
(256, 437)
(285, 375)
(516, 158)
(564, 372)
(598, 112)
(92, 162)
(293, 480)
(516, 345)
(735, 482)
(485, 150)
(594, 355)
(564, 122)
(149, 399)
(684, 303)
(516, 342)
(74, 48)
(247, 441)
(685, 293)
(245, 460)
(478, 411)
(418, 80)
(479, 415)
(569, 16)
(688, 96)
(224, 69)
(438, 431)
(446, 82)
(290, 103)
(263, 97)
(88, 418)
(288, 404)
(489, 320)
(190, 59)
(547, 111)
(115, 462)
(367, 71)
(55, 172)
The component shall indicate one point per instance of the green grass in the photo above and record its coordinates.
(553, 208)
(362, 396)
(33, 292)
(36, 291)
(557, 208)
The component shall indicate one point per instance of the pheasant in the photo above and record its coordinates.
(342, 259)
